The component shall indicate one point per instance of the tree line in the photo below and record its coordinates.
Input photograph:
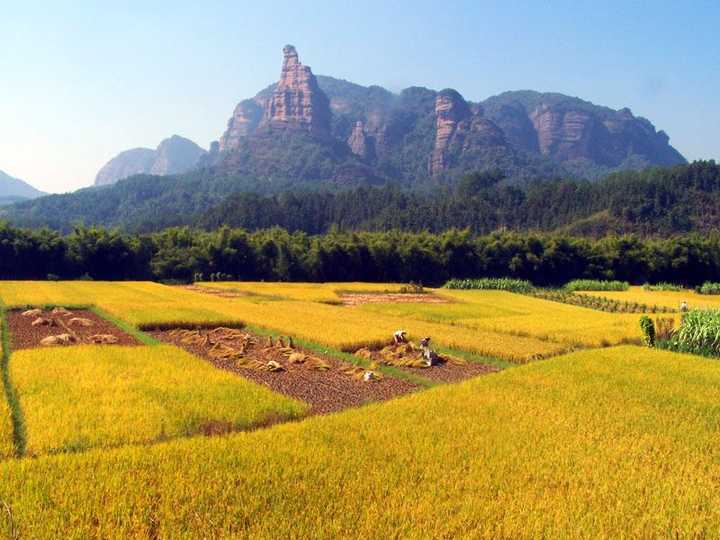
(183, 253)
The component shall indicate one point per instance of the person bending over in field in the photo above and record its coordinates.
(430, 356)
(400, 336)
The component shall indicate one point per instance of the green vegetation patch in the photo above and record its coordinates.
(596, 285)
(496, 284)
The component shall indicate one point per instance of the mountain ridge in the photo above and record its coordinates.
(421, 134)
(13, 189)
(174, 155)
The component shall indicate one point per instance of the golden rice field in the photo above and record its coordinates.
(488, 315)
(670, 299)
(7, 448)
(493, 323)
(613, 443)
(147, 304)
(91, 396)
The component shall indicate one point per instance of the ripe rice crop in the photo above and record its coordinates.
(307, 292)
(668, 299)
(83, 397)
(149, 305)
(596, 285)
(7, 449)
(612, 443)
(521, 315)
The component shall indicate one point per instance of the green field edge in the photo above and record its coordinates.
(128, 328)
(16, 415)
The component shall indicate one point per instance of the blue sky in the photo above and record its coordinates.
(83, 81)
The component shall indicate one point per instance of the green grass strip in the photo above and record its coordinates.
(18, 422)
(141, 336)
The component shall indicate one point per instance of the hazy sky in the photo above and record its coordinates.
(82, 81)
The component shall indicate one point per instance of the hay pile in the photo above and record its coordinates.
(402, 355)
(60, 339)
(248, 351)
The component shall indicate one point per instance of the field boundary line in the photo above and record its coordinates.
(16, 415)
(135, 332)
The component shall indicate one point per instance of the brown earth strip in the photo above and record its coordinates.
(356, 299)
(325, 383)
(84, 327)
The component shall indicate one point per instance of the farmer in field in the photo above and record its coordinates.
(430, 357)
(400, 336)
(684, 308)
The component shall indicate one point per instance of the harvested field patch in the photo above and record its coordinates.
(44, 328)
(325, 383)
(356, 299)
(409, 358)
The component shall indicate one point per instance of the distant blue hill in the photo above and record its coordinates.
(13, 189)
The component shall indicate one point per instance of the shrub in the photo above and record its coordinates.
(699, 332)
(709, 287)
(596, 285)
(648, 330)
(498, 284)
(663, 286)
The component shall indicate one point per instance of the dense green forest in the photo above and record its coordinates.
(654, 202)
(276, 254)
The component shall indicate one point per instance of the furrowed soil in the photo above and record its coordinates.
(325, 383)
(85, 327)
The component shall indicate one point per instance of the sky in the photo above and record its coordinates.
(83, 81)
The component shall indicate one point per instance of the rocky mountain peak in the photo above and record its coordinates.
(420, 132)
(290, 57)
(297, 103)
(451, 114)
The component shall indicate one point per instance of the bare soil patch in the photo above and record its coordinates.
(409, 358)
(58, 327)
(222, 293)
(356, 299)
(325, 383)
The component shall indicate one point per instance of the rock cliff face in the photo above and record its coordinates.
(420, 133)
(360, 143)
(174, 155)
(244, 121)
(568, 130)
(297, 102)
